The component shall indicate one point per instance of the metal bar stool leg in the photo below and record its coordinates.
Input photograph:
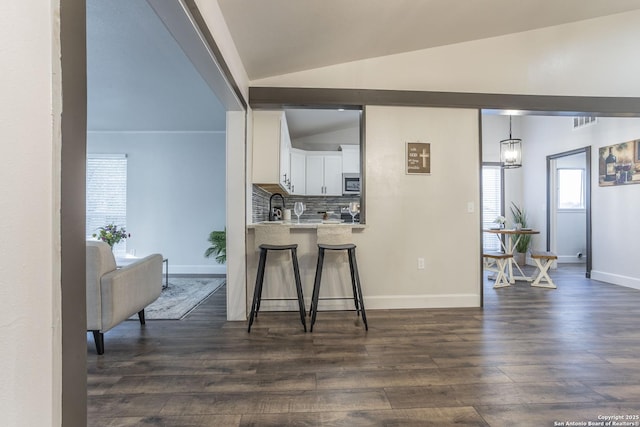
(316, 288)
(296, 274)
(257, 291)
(264, 266)
(352, 260)
(353, 284)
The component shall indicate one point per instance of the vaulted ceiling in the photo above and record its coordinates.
(282, 36)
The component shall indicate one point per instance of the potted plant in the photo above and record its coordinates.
(218, 240)
(522, 241)
(111, 234)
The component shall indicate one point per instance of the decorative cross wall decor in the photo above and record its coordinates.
(418, 158)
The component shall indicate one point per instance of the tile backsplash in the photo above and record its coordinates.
(313, 204)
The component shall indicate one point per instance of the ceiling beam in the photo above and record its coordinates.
(282, 97)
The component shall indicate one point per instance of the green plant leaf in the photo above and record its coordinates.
(519, 216)
(218, 248)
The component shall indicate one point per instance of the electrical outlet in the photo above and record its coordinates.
(420, 263)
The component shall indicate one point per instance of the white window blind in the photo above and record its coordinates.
(491, 204)
(107, 193)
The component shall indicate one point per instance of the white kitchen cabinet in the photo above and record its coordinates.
(285, 155)
(333, 175)
(350, 158)
(324, 174)
(298, 171)
(271, 147)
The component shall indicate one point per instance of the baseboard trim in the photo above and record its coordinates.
(383, 302)
(616, 279)
(571, 259)
(197, 269)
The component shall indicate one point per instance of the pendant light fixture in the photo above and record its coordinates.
(511, 151)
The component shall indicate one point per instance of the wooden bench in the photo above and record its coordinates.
(501, 260)
(543, 260)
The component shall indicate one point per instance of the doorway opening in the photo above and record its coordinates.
(569, 207)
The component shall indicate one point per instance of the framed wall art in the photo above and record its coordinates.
(418, 159)
(619, 164)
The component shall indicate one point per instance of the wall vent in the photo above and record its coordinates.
(580, 122)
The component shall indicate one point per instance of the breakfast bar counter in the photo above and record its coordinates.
(279, 278)
(307, 224)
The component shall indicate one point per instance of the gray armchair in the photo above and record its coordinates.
(115, 294)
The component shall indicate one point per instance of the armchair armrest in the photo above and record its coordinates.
(130, 289)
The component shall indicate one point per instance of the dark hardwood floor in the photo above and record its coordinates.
(530, 357)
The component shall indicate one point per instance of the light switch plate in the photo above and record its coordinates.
(471, 208)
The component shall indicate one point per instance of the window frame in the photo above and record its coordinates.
(497, 166)
(582, 190)
(117, 188)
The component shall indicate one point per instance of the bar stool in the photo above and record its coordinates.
(277, 234)
(353, 268)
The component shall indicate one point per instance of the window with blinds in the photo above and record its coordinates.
(107, 194)
(492, 178)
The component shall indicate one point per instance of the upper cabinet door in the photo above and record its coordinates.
(285, 150)
(298, 172)
(324, 175)
(266, 146)
(315, 175)
(271, 147)
(333, 175)
(350, 158)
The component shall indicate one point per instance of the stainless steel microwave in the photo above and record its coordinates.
(350, 183)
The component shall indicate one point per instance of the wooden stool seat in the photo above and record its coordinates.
(543, 260)
(500, 259)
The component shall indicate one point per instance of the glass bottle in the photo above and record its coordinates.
(610, 166)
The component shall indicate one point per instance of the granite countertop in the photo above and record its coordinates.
(307, 224)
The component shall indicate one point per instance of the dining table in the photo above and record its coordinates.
(508, 245)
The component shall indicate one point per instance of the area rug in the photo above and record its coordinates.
(180, 298)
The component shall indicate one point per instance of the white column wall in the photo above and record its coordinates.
(238, 164)
(421, 216)
(236, 197)
(30, 361)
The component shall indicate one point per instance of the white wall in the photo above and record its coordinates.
(421, 216)
(175, 193)
(614, 209)
(30, 390)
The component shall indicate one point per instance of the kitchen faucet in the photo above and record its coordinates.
(272, 213)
